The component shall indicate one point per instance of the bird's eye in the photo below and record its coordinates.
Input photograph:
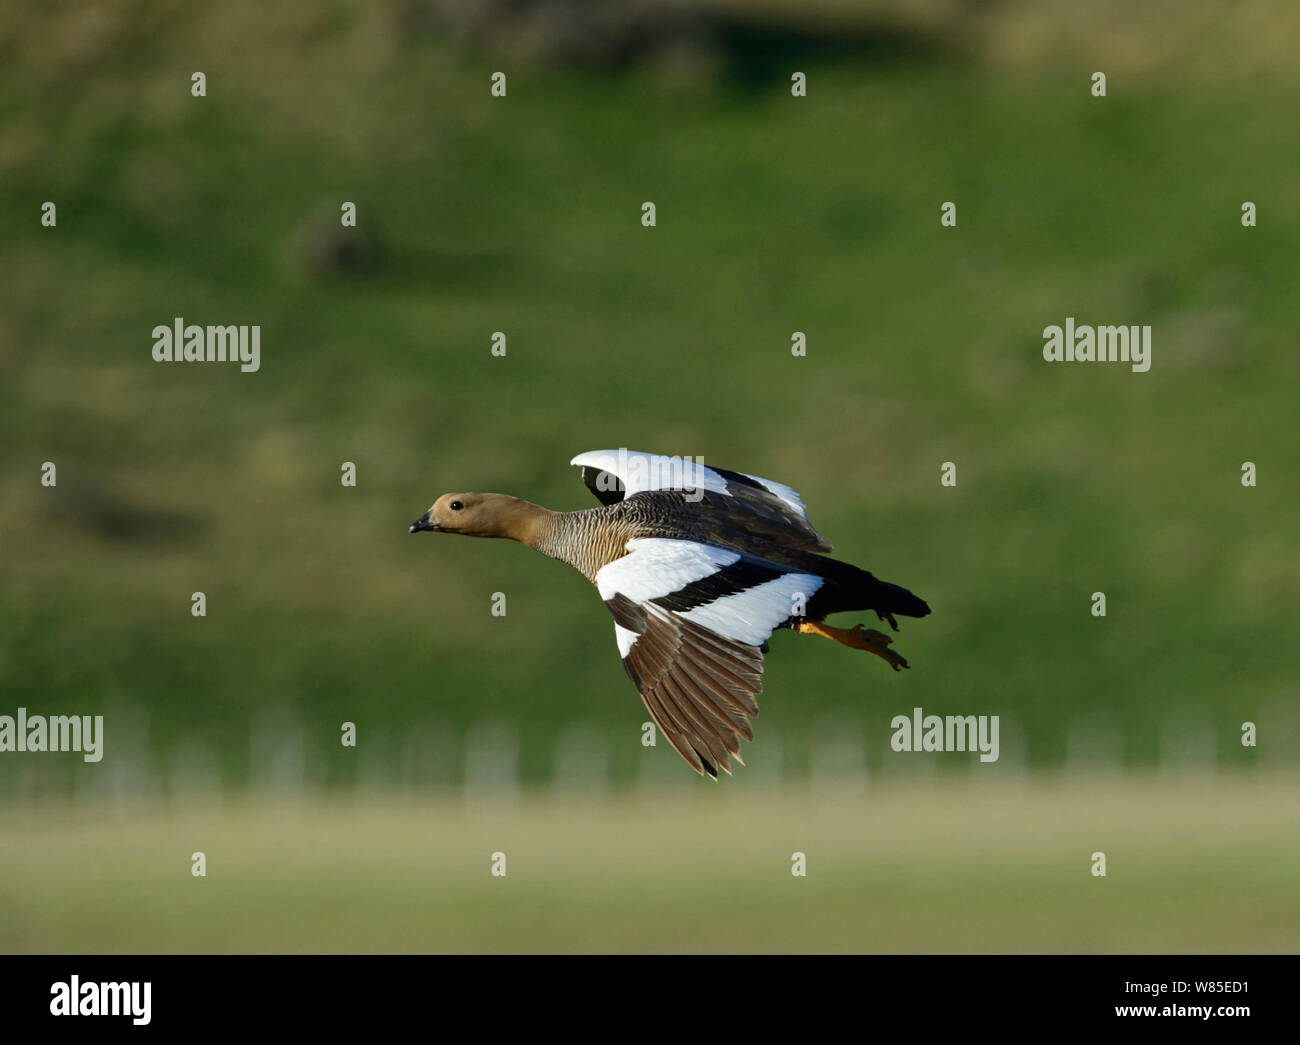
(456, 506)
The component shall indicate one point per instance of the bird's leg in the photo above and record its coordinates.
(857, 637)
(887, 616)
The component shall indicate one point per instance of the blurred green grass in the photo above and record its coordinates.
(521, 215)
(1194, 864)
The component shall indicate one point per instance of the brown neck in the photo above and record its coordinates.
(586, 540)
(526, 522)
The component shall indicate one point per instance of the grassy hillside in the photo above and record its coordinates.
(521, 215)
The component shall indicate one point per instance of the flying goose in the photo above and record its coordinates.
(698, 566)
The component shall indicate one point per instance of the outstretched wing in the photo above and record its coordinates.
(745, 502)
(692, 621)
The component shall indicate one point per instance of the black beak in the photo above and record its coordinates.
(424, 522)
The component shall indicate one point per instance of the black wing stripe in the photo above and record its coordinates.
(740, 576)
(735, 479)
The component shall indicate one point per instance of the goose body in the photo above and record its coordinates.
(698, 567)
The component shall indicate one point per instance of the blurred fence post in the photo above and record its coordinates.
(429, 762)
(123, 775)
(764, 762)
(1277, 731)
(491, 761)
(581, 764)
(377, 765)
(661, 773)
(837, 758)
(1093, 745)
(277, 753)
(194, 773)
(1187, 743)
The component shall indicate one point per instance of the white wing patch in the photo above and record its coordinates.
(658, 566)
(752, 615)
(639, 472)
(625, 639)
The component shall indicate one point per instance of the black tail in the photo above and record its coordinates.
(893, 599)
(851, 588)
